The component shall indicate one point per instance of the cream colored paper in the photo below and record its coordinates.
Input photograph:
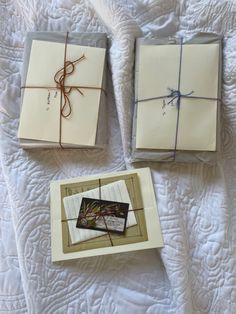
(151, 216)
(116, 192)
(40, 113)
(158, 71)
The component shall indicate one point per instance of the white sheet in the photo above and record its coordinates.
(196, 272)
(12, 299)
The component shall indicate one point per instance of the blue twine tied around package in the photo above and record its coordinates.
(175, 94)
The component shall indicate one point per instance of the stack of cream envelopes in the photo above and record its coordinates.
(139, 229)
(177, 97)
(63, 91)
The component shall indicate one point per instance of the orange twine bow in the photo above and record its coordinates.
(59, 79)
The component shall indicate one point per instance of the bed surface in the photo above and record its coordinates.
(195, 271)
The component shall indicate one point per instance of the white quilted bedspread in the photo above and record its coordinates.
(195, 272)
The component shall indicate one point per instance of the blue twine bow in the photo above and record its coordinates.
(176, 94)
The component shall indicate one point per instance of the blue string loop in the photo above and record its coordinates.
(176, 94)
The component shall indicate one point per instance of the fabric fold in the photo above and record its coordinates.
(195, 270)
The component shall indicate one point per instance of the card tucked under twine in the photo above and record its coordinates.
(102, 213)
(59, 79)
(176, 94)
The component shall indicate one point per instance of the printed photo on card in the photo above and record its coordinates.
(103, 215)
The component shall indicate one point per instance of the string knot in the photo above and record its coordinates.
(176, 94)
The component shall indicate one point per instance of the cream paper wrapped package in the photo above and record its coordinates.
(135, 187)
(63, 90)
(177, 92)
